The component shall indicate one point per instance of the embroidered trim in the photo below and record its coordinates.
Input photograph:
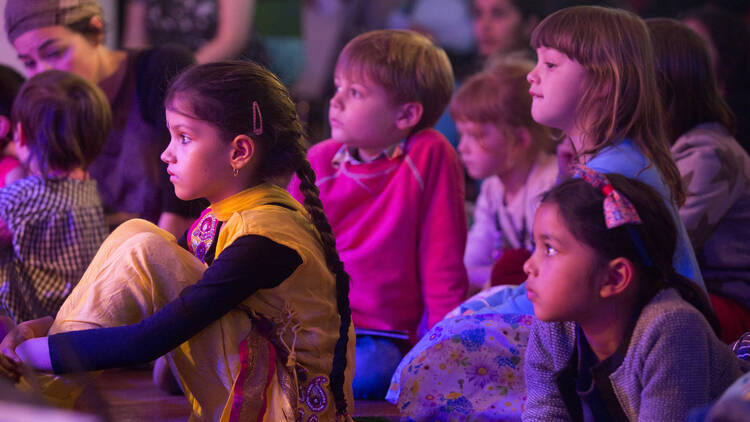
(202, 234)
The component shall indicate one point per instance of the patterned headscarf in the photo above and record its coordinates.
(22, 16)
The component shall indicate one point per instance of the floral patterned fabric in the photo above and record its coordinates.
(466, 368)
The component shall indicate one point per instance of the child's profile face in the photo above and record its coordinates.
(487, 150)
(362, 114)
(497, 26)
(563, 273)
(57, 47)
(197, 157)
(558, 83)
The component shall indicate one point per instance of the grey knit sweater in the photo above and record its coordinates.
(674, 362)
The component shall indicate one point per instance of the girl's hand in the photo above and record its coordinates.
(11, 364)
(565, 160)
(10, 367)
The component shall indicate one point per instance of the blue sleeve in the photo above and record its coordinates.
(250, 263)
(512, 300)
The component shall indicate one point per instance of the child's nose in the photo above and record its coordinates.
(336, 100)
(529, 267)
(531, 76)
(166, 156)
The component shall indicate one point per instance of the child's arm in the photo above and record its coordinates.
(17, 346)
(543, 399)
(442, 237)
(484, 238)
(223, 286)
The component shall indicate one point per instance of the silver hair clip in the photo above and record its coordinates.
(257, 119)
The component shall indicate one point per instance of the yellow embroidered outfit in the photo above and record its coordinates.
(268, 360)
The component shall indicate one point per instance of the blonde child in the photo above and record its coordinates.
(502, 144)
(633, 342)
(54, 215)
(393, 190)
(254, 315)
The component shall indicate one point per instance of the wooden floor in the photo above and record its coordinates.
(130, 396)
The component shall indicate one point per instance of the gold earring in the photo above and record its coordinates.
(235, 172)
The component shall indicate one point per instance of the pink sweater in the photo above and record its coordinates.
(400, 229)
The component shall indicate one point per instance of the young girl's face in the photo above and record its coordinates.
(497, 26)
(198, 159)
(557, 86)
(563, 273)
(487, 150)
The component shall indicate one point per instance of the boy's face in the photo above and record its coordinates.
(486, 150)
(362, 115)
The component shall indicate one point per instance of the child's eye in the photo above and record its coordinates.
(29, 64)
(549, 250)
(550, 65)
(185, 138)
(355, 93)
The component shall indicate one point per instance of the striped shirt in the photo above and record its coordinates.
(57, 227)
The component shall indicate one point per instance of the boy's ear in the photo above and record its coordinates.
(4, 126)
(409, 114)
(242, 151)
(620, 275)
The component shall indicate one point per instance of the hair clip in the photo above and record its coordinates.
(257, 119)
(618, 210)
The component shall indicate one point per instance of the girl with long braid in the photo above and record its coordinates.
(253, 310)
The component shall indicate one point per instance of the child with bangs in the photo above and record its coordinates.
(594, 81)
(502, 144)
(392, 188)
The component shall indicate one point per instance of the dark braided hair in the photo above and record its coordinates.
(581, 208)
(222, 93)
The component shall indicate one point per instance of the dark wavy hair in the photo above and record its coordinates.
(222, 93)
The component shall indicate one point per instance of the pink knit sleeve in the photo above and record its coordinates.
(442, 220)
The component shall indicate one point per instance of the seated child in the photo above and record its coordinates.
(54, 215)
(636, 340)
(714, 167)
(10, 169)
(252, 312)
(502, 144)
(392, 188)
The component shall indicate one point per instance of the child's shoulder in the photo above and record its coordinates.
(668, 315)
